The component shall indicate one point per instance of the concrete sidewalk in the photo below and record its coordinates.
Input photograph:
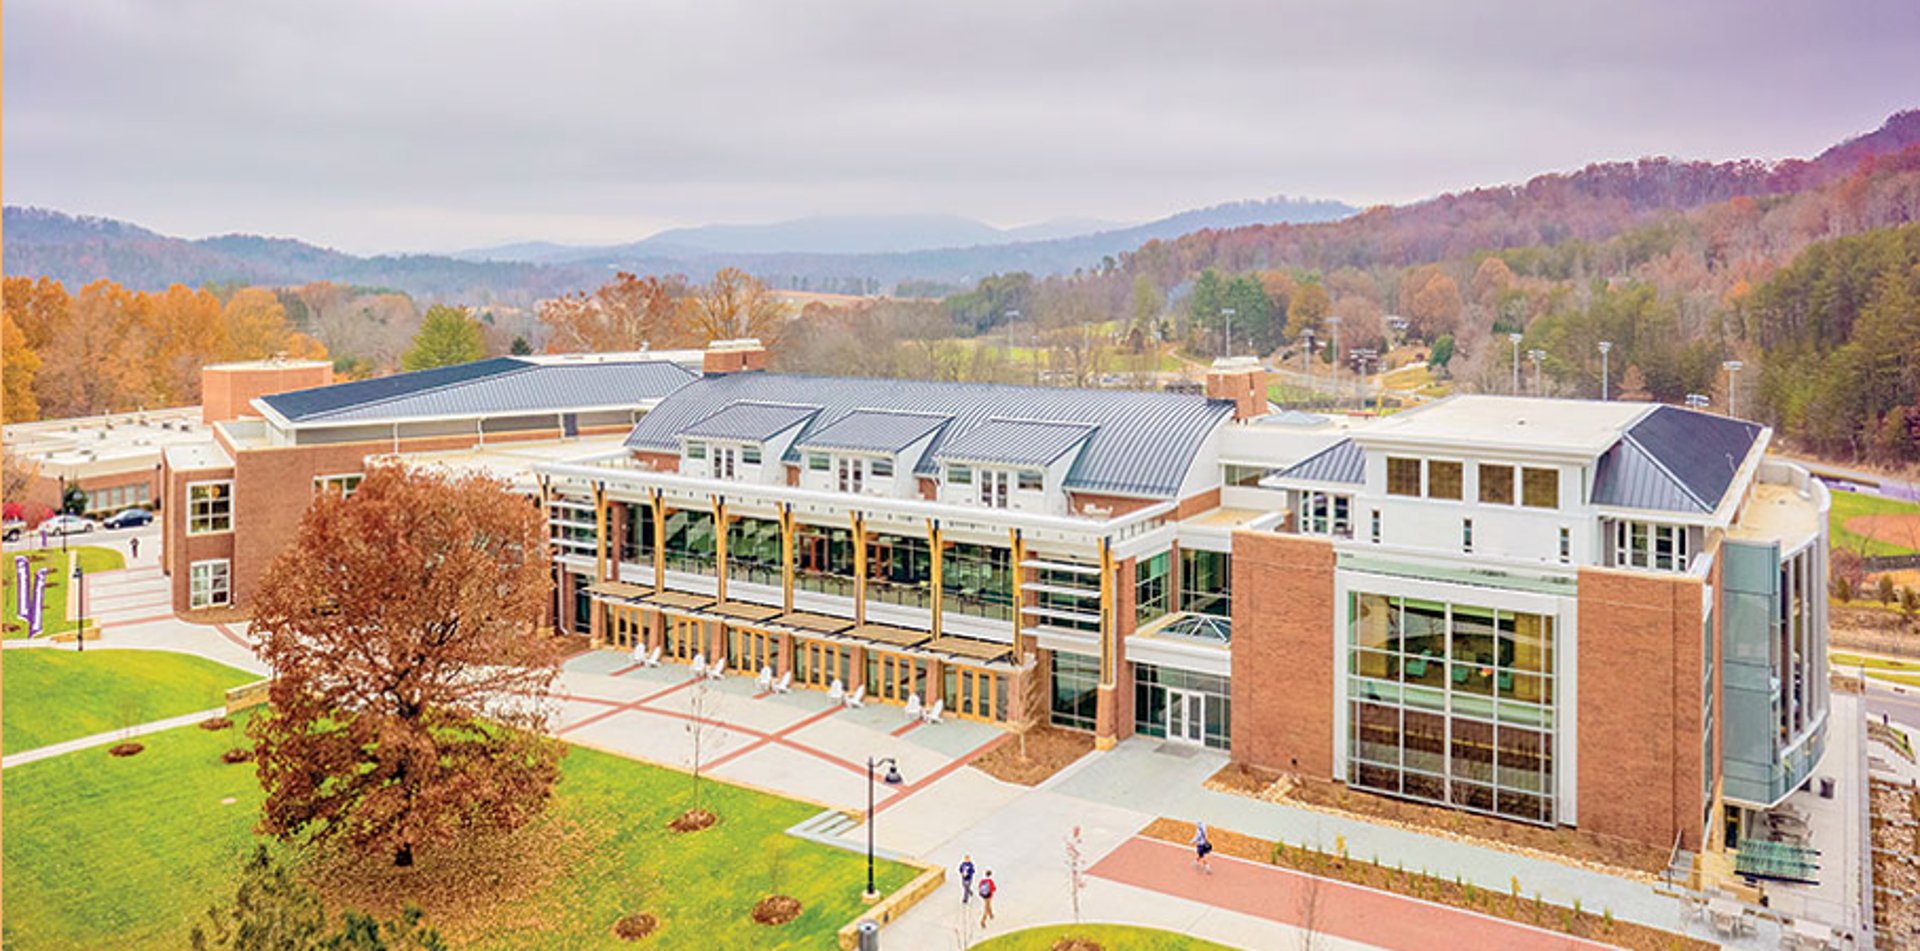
(106, 739)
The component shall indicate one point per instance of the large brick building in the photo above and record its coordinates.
(1604, 616)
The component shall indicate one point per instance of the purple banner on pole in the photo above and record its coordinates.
(37, 623)
(20, 586)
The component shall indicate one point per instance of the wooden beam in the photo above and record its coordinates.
(600, 531)
(1019, 548)
(719, 548)
(659, 542)
(859, 568)
(933, 548)
(786, 557)
(1109, 648)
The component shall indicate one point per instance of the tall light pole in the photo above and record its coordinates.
(1536, 355)
(1228, 313)
(1515, 340)
(1333, 324)
(1604, 347)
(1733, 383)
(1306, 359)
(80, 585)
(892, 779)
(1012, 315)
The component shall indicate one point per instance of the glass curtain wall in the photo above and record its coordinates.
(1452, 703)
(689, 541)
(823, 559)
(1150, 587)
(1076, 690)
(1156, 689)
(636, 540)
(753, 551)
(900, 571)
(1206, 582)
(977, 580)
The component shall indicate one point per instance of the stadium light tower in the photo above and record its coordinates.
(1514, 338)
(1733, 383)
(1605, 346)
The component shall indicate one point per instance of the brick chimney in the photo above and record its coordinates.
(1242, 380)
(745, 355)
(227, 390)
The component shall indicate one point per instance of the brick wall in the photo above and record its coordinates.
(227, 392)
(178, 550)
(1283, 659)
(1639, 706)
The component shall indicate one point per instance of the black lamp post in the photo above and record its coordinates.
(892, 779)
(80, 587)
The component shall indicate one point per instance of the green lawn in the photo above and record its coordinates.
(1846, 505)
(127, 853)
(1112, 937)
(1906, 673)
(55, 695)
(93, 559)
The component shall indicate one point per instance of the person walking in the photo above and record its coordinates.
(133, 547)
(987, 890)
(966, 878)
(1202, 847)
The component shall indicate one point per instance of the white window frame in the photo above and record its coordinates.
(1638, 545)
(193, 516)
(339, 480)
(1326, 513)
(199, 597)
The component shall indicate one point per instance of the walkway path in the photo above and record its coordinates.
(104, 739)
(1316, 905)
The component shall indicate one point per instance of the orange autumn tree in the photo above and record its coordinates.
(407, 700)
(626, 313)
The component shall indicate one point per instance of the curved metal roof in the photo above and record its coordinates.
(1143, 442)
(1016, 442)
(750, 421)
(875, 430)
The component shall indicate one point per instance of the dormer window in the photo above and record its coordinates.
(959, 475)
(1031, 480)
(881, 469)
(696, 450)
(819, 462)
(750, 455)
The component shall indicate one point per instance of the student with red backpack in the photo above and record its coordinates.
(987, 890)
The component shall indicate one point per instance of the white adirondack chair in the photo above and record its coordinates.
(837, 692)
(914, 709)
(765, 680)
(785, 684)
(717, 669)
(653, 659)
(856, 699)
(699, 665)
(933, 713)
(640, 653)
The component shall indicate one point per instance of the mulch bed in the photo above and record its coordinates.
(776, 909)
(1050, 749)
(1071, 943)
(693, 820)
(1581, 848)
(217, 723)
(238, 754)
(125, 749)
(635, 927)
(1512, 907)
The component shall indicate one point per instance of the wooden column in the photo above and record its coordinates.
(659, 542)
(786, 557)
(934, 545)
(1020, 644)
(859, 569)
(1106, 701)
(720, 548)
(599, 531)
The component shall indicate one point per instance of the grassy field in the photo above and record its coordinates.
(93, 559)
(1112, 937)
(1903, 672)
(1846, 505)
(128, 853)
(55, 695)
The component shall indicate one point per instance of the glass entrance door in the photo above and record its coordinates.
(1186, 716)
(749, 650)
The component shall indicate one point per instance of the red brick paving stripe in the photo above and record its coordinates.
(227, 633)
(775, 737)
(941, 773)
(619, 708)
(626, 670)
(1339, 909)
(908, 728)
(131, 621)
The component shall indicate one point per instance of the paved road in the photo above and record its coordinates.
(149, 535)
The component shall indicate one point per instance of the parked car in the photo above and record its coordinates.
(129, 518)
(69, 525)
(14, 529)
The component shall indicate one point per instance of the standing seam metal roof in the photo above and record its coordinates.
(1342, 462)
(751, 421)
(501, 385)
(1016, 442)
(1144, 442)
(1675, 460)
(875, 430)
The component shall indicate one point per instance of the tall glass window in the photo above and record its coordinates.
(823, 559)
(1076, 688)
(753, 551)
(1206, 582)
(1150, 587)
(900, 570)
(977, 580)
(1452, 703)
(690, 541)
(1182, 705)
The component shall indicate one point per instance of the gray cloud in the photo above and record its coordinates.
(429, 125)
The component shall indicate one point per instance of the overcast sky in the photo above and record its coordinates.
(384, 126)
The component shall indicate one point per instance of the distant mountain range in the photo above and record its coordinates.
(895, 234)
(857, 253)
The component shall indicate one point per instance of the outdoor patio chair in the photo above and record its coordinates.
(699, 665)
(640, 653)
(653, 659)
(932, 715)
(785, 683)
(716, 670)
(857, 698)
(837, 692)
(765, 680)
(913, 707)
